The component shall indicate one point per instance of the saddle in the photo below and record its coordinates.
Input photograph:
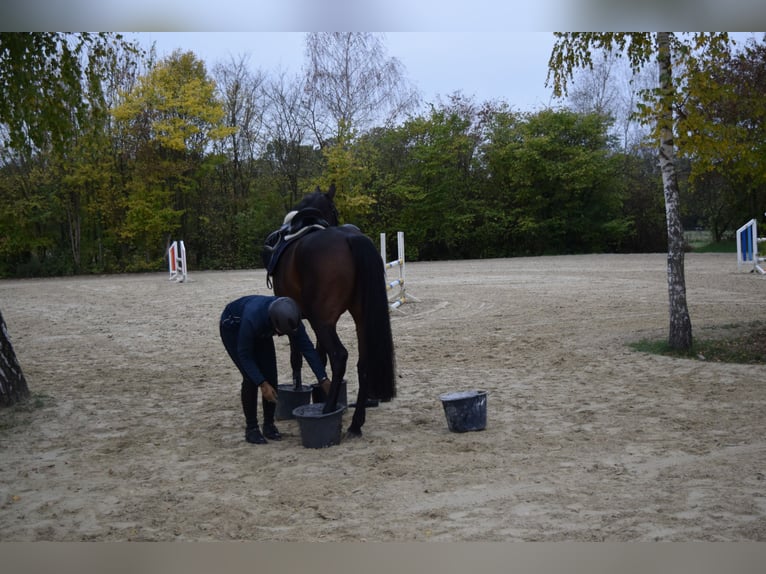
(296, 224)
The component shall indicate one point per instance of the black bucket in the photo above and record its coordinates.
(288, 398)
(319, 430)
(318, 395)
(465, 410)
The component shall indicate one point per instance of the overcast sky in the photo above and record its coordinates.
(502, 16)
(511, 67)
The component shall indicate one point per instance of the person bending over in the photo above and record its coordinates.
(247, 328)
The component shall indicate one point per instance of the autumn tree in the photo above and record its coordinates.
(722, 132)
(172, 117)
(45, 79)
(55, 126)
(87, 187)
(351, 85)
(671, 52)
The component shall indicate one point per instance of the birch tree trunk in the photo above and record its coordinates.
(13, 385)
(680, 332)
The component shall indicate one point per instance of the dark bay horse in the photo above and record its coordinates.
(331, 271)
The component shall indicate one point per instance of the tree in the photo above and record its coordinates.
(350, 85)
(172, 117)
(554, 182)
(351, 82)
(43, 101)
(56, 157)
(610, 88)
(287, 150)
(437, 186)
(722, 132)
(680, 334)
(242, 94)
(351, 168)
(229, 223)
(42, 77)
(85, 180)
(595, 89)
(573, 50)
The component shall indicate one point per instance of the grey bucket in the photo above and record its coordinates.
(465, 410)
(318, 395)
(319, 430)
(288, 398)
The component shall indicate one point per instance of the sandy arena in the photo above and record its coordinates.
(141, 436)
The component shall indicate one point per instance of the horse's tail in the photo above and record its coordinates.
(375, 337)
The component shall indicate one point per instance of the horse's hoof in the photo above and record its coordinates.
(353, 433)
(369, 404)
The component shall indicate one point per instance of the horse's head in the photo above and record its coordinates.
(323, 202)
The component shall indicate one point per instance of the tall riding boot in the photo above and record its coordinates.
(249, 395)
(269, 428)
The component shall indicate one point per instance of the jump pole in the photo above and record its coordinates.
(747, 247)
(400, 297)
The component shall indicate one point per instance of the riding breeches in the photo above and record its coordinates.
(266, 359)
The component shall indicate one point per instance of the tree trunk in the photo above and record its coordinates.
(680, 334)
(75, 228)
(13, 385)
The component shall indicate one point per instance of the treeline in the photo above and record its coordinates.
(168, 150)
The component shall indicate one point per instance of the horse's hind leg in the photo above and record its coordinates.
(360, 411)
(328, 340)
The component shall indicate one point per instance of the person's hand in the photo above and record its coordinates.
(268, 392)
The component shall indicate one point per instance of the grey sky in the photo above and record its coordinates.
(372, 15)
(507, 66)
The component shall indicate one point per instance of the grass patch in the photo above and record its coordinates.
(21, 413)
(743, 343)
(701, 241)
(727, 246)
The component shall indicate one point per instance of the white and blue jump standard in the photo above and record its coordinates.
(747, 247)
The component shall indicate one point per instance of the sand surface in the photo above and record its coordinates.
(141, 437)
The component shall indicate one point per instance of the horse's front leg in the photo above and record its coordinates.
(296, 363)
